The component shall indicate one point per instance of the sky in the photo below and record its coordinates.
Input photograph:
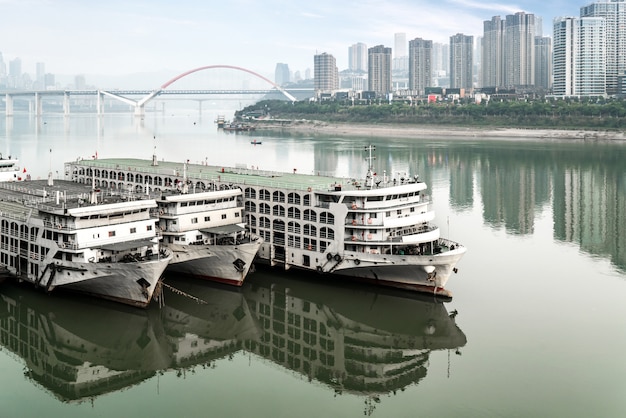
(121, 37)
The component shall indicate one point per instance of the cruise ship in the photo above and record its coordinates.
(10, 169)
(377, 229)
(205, 231)
(61, 235)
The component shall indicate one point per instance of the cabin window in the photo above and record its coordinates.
(223, 216)
(327, 218)
(310, 215)
(238, 214)
(306, 260)
(133, 230)
(399, 211)
(293, 198)
(183, 204)
(293, 213)
(250, 193)
(194, 220)
(278, 210)
(264, 194)
(307, 200)
(207, 219)
(412, 209)
(149, 228)
(111, 233)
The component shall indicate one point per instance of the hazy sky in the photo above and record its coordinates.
(121, 37)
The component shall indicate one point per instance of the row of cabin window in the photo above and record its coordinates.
(278, 196)
(294, 213)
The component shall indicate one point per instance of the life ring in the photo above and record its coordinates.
(369, 220)
(369, 236)
(309, 247)
(354, 222)
(357, 262)
(308, 189)
(353, 237)
(206, 241)
(329, 256)
(354, 206)
(161, 212)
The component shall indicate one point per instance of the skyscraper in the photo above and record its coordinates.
(519, 50)
(325, 73)
(420, 65)
(565, 39)
(379, 70)
(543, 62)
(614, 12)
(590, 60)
(491, 64)
(357, 57)
(579, 64)
(508, 51)
(461, 62)
(281, 74)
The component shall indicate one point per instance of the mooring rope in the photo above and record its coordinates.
(180, 292)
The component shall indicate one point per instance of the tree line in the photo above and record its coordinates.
(572, 113)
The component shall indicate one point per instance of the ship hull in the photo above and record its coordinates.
(420, 273)
(132, 284)
(228, 264)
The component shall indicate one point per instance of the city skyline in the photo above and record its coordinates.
(118, 38)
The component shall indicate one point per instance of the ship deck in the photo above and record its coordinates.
(235, 175)
(19, 198)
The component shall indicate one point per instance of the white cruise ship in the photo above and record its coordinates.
(377, 229)
(63, 235)
(205, 232)
(9, 169)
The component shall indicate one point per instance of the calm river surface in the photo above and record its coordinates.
(537, 326)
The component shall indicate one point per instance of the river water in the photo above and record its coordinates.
(537, 325)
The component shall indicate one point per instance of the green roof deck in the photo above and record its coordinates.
(218, 174)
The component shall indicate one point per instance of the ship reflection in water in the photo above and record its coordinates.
(353, 339)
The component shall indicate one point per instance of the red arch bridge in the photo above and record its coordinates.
(145, 95)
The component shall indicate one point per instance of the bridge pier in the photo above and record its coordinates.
(140, 110)
(38, 105)
(9, 105)
(66, 103)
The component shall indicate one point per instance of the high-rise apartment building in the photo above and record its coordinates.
(508, 51)
(614, 13)
(15, 73)
(400, 62)
(492, 71)
(579, 64)
(461, 61)
(543, 62)
(325, 73)
(357, 57)
(519, 50)
(420, 65)
(281, 74)
(379, 70)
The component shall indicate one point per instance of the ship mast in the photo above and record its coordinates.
(369, 178)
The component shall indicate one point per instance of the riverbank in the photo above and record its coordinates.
(433, 131)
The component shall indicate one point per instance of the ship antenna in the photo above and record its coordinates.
(369, 178)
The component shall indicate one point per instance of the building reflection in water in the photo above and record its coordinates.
(352, 339)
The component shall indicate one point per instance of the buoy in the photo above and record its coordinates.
(329, 256)
(369, 220)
